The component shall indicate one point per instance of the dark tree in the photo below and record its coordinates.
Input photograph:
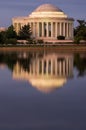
(2, 37)
(10, 33)
(80, 30)
(25, 32)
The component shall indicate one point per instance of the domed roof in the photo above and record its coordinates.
(47, 8)
(47, 11)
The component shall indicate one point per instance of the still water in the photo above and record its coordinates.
(42, 91)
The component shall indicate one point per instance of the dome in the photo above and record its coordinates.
(47, 11)
(47, 8)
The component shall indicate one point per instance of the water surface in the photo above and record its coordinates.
(42, 91)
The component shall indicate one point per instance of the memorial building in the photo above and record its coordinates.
(47, 22)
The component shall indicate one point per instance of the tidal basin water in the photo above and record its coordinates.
(42, 91)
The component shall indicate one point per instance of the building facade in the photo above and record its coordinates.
(46, 22)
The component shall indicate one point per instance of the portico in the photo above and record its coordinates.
(52, 29)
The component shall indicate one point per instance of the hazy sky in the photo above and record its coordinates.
(12, 8)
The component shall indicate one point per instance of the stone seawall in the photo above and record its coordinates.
(61, 48)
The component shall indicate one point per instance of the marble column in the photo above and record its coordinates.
(70, 30)
(56, 30)
(60, 28)
(67, 31)
(34, 34)
(42, 29)
(64, 29)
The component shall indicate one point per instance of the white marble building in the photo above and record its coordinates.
(46, 22)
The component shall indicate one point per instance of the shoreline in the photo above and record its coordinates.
(53, 47)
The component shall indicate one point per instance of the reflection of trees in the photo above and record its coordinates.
(8, 59)
(80, 64)
(24, 62)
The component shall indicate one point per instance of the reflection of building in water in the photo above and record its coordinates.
(48, 72)
(52, 65)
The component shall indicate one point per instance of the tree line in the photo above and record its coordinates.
(10, 36)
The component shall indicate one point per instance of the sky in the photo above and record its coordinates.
(14, 8)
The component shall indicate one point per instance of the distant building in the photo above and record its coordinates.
(47, 22)
(2, 29)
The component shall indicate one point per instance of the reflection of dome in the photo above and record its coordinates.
(47, 85)
(47, 8)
